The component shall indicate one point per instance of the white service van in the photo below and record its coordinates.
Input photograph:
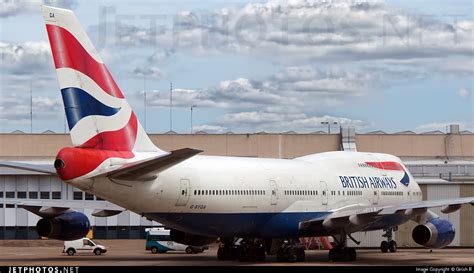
(84, 245)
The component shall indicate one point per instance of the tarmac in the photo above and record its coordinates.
(133, 253)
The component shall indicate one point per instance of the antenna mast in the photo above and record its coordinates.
(171, 106)
(31, 106)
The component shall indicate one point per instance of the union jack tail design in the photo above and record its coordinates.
(97, 113)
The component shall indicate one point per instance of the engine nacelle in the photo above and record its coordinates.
(436, 233)
(67, 227)
(190, 239)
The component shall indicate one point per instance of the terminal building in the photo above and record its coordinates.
(442, 163)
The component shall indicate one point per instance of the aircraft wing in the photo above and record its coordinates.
(149, 168)
(449, 205)
(41, 168)
(358, 217)
(51, 208)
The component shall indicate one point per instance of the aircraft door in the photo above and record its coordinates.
(273, 192)
(184, 192)
(376, 197)
(324, 193)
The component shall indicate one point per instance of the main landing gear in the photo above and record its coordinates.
(251, 250)
(342, 253)
(291, 251)
(389, 244)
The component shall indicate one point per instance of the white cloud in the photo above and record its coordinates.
(294, 89)
(25, 58)
(464, 93)
(304, 30)
(444, 126)
(280, 122)
(211, 129)
(15, 7)
(149, 72)
(16, 108)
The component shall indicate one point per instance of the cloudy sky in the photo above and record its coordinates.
(255, 66)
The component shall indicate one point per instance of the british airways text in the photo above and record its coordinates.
(367, 182)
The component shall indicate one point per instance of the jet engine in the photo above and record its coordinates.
(436, 233)
(190, 239)
(67, 227)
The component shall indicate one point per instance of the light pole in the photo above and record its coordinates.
(31, 106)
(329, 125)
(144, 100)
(193, 106)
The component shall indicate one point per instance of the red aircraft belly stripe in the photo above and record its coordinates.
(68, 52)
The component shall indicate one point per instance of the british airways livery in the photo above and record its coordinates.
(255, 206)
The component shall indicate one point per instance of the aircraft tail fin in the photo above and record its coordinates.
(97, 113)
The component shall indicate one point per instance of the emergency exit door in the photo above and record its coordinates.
(185, 191)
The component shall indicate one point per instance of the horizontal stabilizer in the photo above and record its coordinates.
(40, 168)
(45, 211)
(51, 208)
(148, 169)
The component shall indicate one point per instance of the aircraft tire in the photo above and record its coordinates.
(384, 246)
(392, 246)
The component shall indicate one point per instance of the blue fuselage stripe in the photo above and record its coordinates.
(278, 225)
(266, 225)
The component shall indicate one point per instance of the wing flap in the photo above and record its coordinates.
(148, 169)
(352, 217)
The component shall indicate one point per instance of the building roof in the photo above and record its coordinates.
(318, 133)
(378, 132)
(436, 132)
(408, 132)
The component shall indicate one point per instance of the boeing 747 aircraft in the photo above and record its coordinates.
(255, 206)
